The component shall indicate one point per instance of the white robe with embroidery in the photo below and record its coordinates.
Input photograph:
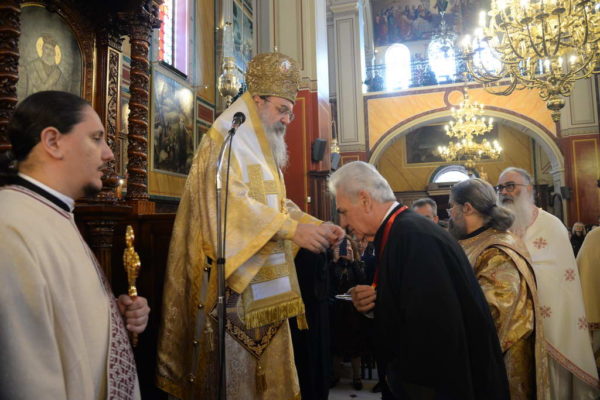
(588, 261)
(572, 369)
(54, 310)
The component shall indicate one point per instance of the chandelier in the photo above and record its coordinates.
(441, 49)
(468, 123)
(537, 44)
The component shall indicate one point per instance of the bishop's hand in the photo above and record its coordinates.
(317, 238)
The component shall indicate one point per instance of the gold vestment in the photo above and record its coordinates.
(502, 267)
(259, 262)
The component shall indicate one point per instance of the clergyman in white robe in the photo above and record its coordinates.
(62, 335)
(572, 370)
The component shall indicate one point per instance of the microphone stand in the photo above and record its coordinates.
(221, 233)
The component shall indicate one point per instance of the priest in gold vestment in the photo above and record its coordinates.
(263, 231)
(588, 262)
(501, 264)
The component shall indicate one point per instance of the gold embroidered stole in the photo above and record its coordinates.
(518, 253)
(259, 265)
(258, 255)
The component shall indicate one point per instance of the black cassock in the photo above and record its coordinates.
(312, 348)
(435, 330)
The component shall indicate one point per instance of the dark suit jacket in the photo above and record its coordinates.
(437, 335)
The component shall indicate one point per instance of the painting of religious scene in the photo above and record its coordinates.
(422, 143)
(397, 21)
(172, 125)
(243, 41)
(50, 58)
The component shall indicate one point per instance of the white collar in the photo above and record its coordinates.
(62, 197)
(389, 211)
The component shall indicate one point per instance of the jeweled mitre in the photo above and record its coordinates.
(273, 74)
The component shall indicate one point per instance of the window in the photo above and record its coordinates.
(442, 59)
(450, 174)
(173, 34)
(397, 67)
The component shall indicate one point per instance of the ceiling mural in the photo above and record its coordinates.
(397, 21)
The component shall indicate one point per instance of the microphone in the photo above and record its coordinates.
(238, 119)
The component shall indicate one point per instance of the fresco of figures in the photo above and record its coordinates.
(409, 20)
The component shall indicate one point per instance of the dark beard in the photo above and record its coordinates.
(90, 190)
(458, 231)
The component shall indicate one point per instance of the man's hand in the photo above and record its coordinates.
(135, 311)
(363, 297)
(317, 238)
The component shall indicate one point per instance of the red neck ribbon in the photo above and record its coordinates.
(386, 234)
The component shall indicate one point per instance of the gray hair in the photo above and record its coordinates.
(353, 177)
(482, 197)
(576, 224)
(519, 171)
(423, 202)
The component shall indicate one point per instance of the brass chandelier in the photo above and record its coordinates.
(541, 44)
(468, 123)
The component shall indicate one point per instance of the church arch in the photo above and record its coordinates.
(523, 124)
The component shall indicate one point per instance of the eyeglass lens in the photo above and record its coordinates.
(509, 187)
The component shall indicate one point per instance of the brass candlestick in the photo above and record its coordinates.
(131, 262)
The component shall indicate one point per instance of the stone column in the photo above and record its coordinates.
(349, 65)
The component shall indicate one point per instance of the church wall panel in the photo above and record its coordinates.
(582, 155)
(311, 123)
(580, 114)
(298, 141)
(205, 49)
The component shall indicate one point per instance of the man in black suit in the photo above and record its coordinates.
(437, 336)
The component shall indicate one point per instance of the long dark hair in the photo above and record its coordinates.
(483, 198)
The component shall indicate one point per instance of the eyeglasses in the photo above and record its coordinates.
(283, 110)
(510, 187)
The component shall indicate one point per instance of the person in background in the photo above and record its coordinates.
(427, 207)
(348, 330)
(578, 233)
(312, 346)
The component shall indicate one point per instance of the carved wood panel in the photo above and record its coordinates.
(10, 30)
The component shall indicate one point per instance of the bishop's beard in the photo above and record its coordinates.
(522, 207)
(276, 138)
